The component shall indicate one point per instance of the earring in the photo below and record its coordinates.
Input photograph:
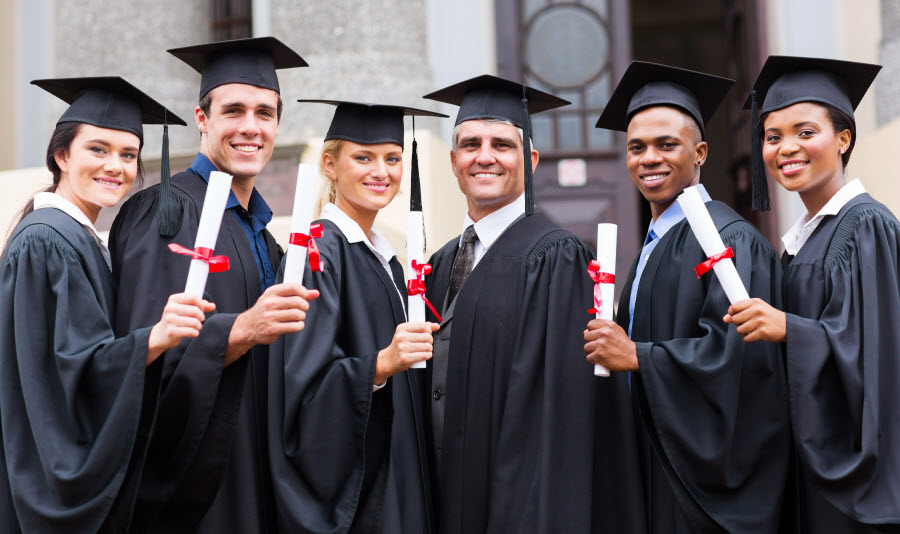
(698, 163)
(843, 150)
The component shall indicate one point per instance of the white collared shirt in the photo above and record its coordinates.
(53, 200)
(491, 226)
(797, 236)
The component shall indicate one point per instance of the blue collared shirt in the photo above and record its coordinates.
(252, 220)
(658, 228)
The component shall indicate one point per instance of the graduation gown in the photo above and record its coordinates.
(532, 441)
(842, 298)
(207, 467)
(333, 462)
(76, 403)
(712, 409)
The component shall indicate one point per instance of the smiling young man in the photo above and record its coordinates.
(207, 467)
(519, 426)
(711, 411)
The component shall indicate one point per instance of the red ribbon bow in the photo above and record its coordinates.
(216, 264)
(416, 286)
(598, 278)
(309, 241)
(705, 267)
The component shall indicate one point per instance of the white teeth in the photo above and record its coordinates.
(653, 178)
(377, 186)
(106, 182)
(486, 175)
(246, 148)
(791, 166)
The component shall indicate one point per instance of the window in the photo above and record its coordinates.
(231, 19)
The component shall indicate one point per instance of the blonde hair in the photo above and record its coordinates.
(328, 190)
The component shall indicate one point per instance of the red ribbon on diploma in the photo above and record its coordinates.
(216, 264)
(598, 278)
(416, 286)
(707, 265)
(309, 241)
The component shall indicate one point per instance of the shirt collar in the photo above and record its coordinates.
(798, 234)
(53, 200)
(493, 224)
(354, 234)
(202, 166)
(673, 215)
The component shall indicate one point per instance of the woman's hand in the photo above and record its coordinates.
(182, 317)
(757, 321)
(412, 343)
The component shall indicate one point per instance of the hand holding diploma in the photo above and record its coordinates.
(719, 256)
(756, 320)
(182, 317)
(603, 273)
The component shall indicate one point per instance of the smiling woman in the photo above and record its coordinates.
(76, 403)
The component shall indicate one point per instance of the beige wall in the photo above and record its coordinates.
(870, 163)
(8, 83)
(18, 186)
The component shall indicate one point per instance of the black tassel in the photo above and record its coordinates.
(526, 149)
(415, 185)
(760, 184)
(168, 206)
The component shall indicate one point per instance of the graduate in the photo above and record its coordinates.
(207, 465)
(77, 402)
(712, 417)
(841, 299)
(522, 437)
(335, 391)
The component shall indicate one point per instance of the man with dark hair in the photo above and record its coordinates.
(711, 411)
(207, 465)
(523, 437)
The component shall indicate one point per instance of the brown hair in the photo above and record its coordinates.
(328, 191)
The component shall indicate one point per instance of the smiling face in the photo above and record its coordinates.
(240, 130)
(489, 165)
(98, 169)
(664, 155)
(802, 152)
(366, 177)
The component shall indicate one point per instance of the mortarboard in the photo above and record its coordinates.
(490, 97)
(247, 61)
(649, 84)
(369, 124)
(787, 80)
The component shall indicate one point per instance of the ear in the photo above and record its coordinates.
(328, 166)
(534, 160)
(844, 139)
(201, 119)
(701, 150)
(61, 157)
(453, 162)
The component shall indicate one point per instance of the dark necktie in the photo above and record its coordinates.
(463, 263)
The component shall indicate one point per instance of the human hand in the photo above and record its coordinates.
(182, 317)
(412, 343)
(756, 320)
(607, 344)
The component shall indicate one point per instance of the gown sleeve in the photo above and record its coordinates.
(70, 392)
(718, 405)
(199, 400)
(564, 443)
(320, 400)
(843, 371)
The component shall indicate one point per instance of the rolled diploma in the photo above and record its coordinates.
(208, 231)
(606, 257)
(304, 201)
(415, 250)
(705, 231)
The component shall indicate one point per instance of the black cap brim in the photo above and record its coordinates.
(646, 85)
(108, 102)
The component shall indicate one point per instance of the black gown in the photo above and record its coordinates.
(206, 468)
(76, 403)
(842, 298)
(712, 409)
(336, 464)
(533, 441)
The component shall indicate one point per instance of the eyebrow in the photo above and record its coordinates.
(658, 139)
(106, 143)
(243, 105)
(797, 125)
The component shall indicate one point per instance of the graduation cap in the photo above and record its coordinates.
(370, 124)
(111, 102)
(490, 97)
(788, 80)
(646, 85)
(248, 61)
(107, 102)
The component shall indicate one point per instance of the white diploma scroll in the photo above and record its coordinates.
(606, 257)
(705, 231)
(210, 220)
(304, 203)
(415, 251)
